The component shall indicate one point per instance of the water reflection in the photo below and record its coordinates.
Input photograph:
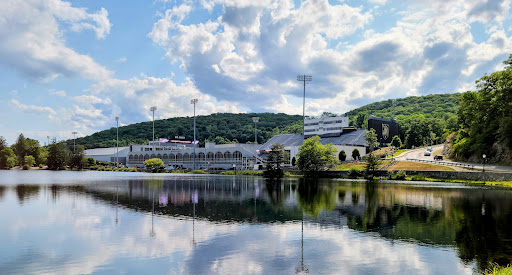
(238, 224)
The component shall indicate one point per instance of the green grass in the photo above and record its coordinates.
(398, 152)
(499, 270)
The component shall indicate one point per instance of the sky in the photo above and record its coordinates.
(70, 66)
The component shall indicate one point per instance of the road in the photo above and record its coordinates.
(419, 154)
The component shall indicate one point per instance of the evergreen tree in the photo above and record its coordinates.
(355, 154)
(342, 155)
(20, 148)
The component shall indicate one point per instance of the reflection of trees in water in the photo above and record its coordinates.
(276, 191)
(26, 191)
(2, 192)
(314, 197)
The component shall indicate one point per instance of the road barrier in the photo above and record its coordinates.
(468, 166)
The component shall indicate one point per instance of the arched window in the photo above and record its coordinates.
(153, 156)
(209, 156)
(136, 158)
(186, 157)
(166, 157)
(237, 156)
(130, 158)
(159, 156)
(227, 156)
(218, 157)
(146, 157)
(179, 157)
(201, 157)
(141, 157)
(172, 157)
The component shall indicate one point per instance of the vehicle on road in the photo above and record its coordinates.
(429, 149)
(427, 153)
(438, 157)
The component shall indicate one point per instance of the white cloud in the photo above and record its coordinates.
(59, 93)
(33, 44)
(34, 108)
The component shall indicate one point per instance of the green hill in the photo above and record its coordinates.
(221, 128)
(422, 119)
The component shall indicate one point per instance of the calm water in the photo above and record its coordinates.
(109, 222)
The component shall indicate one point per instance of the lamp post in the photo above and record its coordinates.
(255, 119)
(304, 79)
(194, 101)
(117, 134)
(153, 109)
(74, 138)
(48, 137)
(483, 165)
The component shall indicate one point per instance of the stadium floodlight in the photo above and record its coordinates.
(194, 102)
(305, 79)
(74, 138)
(117, 134)
(255, 119)
(153, 109)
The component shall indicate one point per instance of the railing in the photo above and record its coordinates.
(468, 166)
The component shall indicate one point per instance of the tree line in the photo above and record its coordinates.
(28, 153)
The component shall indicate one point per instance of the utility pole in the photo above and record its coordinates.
(255, 119)
(194, 101)
(117, 151)
(153, 109)
(74, 138)
(304, 79)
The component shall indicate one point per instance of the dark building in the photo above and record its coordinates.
(386, 129)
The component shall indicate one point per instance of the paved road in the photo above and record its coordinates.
(419, 154)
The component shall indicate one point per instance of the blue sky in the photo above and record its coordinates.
(75, 65)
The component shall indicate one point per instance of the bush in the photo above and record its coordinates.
(418, 177)
(198, 172)
(400, 175)
(354, 172)
(355, 154)
(342, 156)
(390, 175)
(227, 173)
(29, 161)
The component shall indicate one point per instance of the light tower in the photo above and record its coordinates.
(117, 150)
(305, 79)
(255, 119)
(153, 109)
(394, 106)
(194, 101)
(74, 138)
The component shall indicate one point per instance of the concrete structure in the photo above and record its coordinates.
(213, 156)
(325, 126)
(347, 141)
(108, 154)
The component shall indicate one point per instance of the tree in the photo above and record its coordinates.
(313, 156)
(342, 155)
(276, 157)
(371, 138)
(20, 148)
(396, 142)
(355, 154)
(77, 159)
(29, 162)
(153, 164)
(3, 143)
(34, 149)
(90, 162)
(372, 164)
(7, 158)
(294, 161)
(57, 156)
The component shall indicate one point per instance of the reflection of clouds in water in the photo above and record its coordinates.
(85, 239)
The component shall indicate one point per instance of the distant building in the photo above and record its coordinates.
(108, 154)
(325, 126)
(386, 129)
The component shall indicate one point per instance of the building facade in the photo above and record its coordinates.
(325, 126)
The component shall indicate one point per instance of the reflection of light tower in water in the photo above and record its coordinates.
(152, 232)
(195, 199)
(117, 202)
(302, 268)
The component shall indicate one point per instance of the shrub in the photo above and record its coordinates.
(355, 154)
(418, 177)
(29, 161)
(227, 173)
(390, 175)
(342, 156)
(400, 175)
(354, 172)
(198, 172)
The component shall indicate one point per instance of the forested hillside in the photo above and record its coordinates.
(221, 128)
(422, 119)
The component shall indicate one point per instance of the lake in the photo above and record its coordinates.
(137, 223)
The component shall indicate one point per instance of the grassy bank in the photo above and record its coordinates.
(499, 270)
(418, 166)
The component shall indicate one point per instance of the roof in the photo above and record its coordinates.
(354, 138)
(103, 151)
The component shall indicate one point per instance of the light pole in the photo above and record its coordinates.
(255, 119)
(117, 150)
(483, 165)
(74, 138)
(153, 109)
(194, 101)
(304, 79)
(48, 137)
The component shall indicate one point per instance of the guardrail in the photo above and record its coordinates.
(468, 166)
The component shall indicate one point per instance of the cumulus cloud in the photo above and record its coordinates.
(51, 113)
(32, 41)
(59, 93)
